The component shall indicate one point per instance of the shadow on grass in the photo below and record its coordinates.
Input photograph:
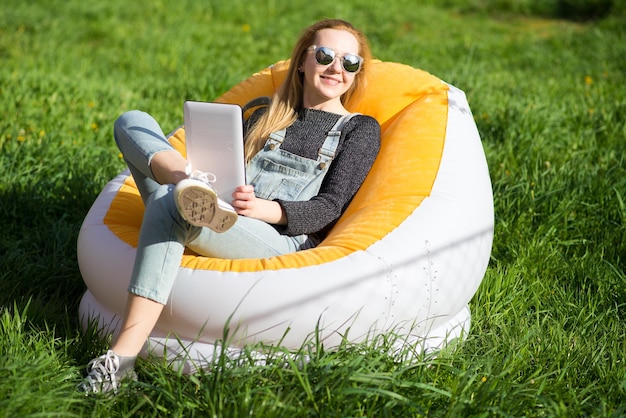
(38, 261)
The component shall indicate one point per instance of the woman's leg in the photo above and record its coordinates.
(150, 157)
(153, 162)
(162, 239)
(139, 321)
(247, 238)
(165, 233)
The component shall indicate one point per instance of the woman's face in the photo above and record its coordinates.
(324, 85)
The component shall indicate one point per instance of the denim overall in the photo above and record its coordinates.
(278, 174)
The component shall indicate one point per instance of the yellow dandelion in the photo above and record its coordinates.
(94, 127)
(91, 105)
(42, 133)
(120, 156)
(483, 379)
(588, 80)
(21, 138)
(246, 27)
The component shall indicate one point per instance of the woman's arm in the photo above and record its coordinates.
(247, 204)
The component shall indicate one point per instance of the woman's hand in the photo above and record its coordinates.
(247, 204)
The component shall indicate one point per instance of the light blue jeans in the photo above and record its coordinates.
(164, 233)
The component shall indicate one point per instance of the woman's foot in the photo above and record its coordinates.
(105, 373)
(198, 203)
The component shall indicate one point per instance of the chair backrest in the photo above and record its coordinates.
(411, 106)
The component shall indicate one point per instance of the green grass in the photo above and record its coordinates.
(549, 98)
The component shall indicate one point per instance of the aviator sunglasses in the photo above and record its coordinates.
(324, 55)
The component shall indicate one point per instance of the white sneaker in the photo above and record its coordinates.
(104, 375)
(198, 203)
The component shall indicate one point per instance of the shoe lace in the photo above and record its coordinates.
(203, 176)
(102, 370)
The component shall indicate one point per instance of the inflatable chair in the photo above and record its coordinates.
(405, 258)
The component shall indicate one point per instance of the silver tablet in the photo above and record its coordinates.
(214, 143)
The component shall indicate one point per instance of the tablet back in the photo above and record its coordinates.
(214, 143)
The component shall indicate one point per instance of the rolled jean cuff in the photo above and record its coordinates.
(148, 294)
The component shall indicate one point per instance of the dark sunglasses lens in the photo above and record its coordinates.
(351, 63)
(324, 56)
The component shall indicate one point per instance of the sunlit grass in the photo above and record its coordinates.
(548, 335)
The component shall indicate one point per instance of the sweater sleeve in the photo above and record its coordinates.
(359, 148)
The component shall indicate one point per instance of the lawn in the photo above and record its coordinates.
(548, 95)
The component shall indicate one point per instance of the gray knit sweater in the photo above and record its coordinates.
(358, 147)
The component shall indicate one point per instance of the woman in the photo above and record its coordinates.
(306, 121)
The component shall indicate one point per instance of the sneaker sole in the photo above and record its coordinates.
(199, 206)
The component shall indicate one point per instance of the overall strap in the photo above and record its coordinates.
(276, 139)
(327, 152)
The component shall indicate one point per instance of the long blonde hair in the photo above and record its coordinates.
(287, 101)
